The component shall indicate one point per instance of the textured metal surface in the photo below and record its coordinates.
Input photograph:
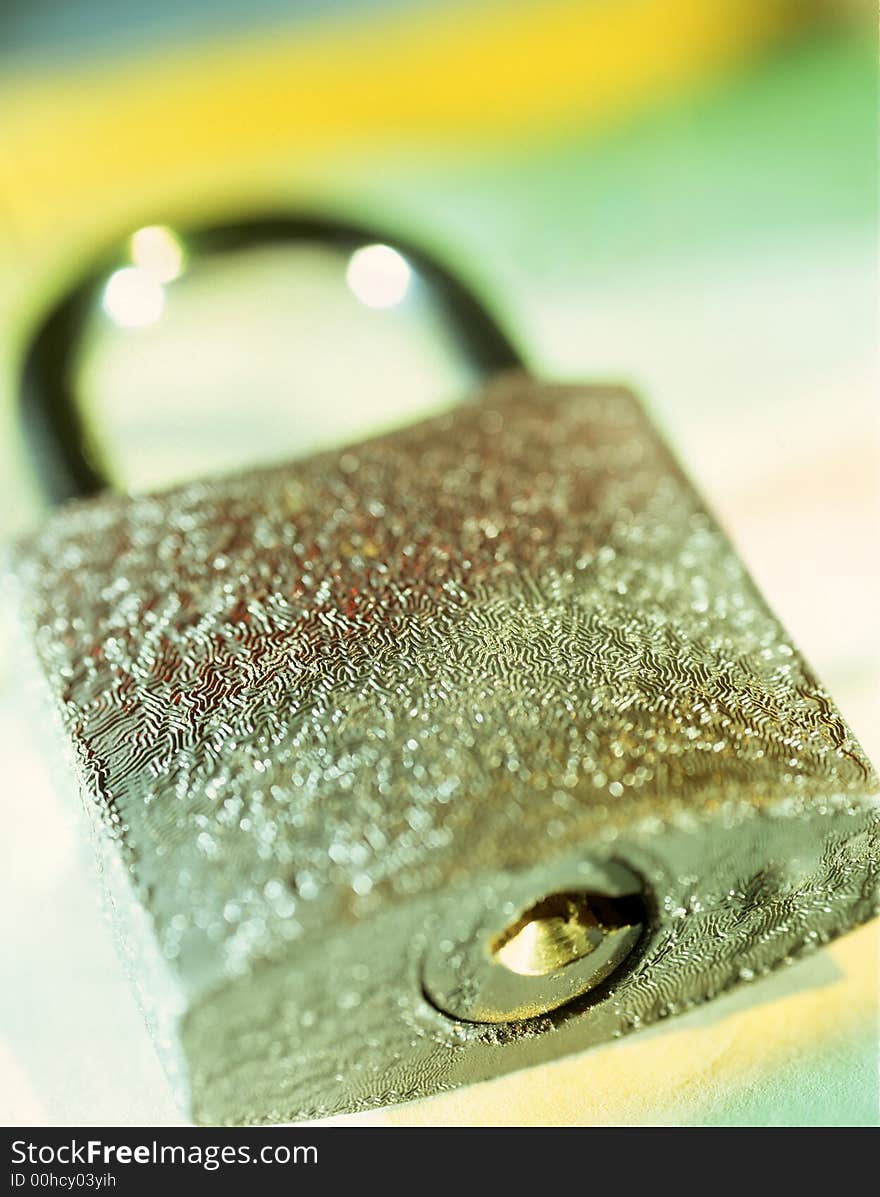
(325, 717)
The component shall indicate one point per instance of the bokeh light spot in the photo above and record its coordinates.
(379, 276)
(133, 298)
(158, 251)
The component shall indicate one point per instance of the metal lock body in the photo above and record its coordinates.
(435, 757)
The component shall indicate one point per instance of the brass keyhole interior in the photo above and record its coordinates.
(552, 949)
(558, 930)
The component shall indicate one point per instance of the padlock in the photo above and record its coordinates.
(437, 755)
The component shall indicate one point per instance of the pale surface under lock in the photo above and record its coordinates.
(555, 950)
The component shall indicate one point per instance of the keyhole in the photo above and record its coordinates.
(560, 929)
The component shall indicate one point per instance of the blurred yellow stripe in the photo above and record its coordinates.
(455, 76)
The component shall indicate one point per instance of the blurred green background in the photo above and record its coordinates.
(678, 193)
